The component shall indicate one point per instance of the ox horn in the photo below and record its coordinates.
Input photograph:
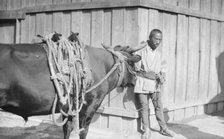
(138, 47)
(106, 46)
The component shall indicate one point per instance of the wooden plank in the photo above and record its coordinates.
(25, 25)
(213, 77)
(86, 27)
(220, 59)
(138, 22)
(118, 37)
(76, 25)
(107, 24)
(66, 26)
(171, 2)
(97, 28)
(183, 3)
(11, 4)
(155, 20)
(222, 9)
(7, 33)
(107, 38)
(204, 60)
(168, 52)
(193, 60)
(3, 4)
(123, 4)
(32, 22)
(206, 6)
(190, 112)
(43, 20)
(194, 4)
(216, 7)
(181, 59)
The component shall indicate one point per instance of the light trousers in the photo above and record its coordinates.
(145, 112)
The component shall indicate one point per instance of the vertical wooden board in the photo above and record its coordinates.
(66, 25)
(48, 19)
(155, 20)
(58, 18)
(181, 59)
(40, 24)
(32, 22)
(107, 23)
(104, 121)
(183, 3)
(178, 114)
(58, 22)
(201, 109)
(139, 24)
(25, 25)
(32, 27)
(222, 9)
(189, 112)
(216, 7)
(3, 4)
(219, 52)
(170, 2)
(128, 125)
(220, 58)
(76, 25)
(74, 1)
(118, 37)
(97, 28)
(7, 33)
(194, 4)
(193, 60)
(213, 77)
(13, 4)
(107, 32)
(86, 24)
(206, 6)
(48, 23)
(168, 53)
(204, 60)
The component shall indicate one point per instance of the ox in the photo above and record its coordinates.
(26, 88)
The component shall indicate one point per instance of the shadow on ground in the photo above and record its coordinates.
(193, 132)
(42, 131)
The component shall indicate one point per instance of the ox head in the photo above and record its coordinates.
(129, 59)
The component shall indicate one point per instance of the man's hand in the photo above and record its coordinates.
(161, 77)
(149, 75)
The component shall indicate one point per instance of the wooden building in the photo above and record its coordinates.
(193, 47)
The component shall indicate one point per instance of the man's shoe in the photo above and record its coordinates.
(167, 132)
(146, 134)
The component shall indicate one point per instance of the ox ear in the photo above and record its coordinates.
(56, 37)
(134, 58)
(73, 37)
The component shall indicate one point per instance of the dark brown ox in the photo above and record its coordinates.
(26, 88)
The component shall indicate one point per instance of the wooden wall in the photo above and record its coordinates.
(193, 47)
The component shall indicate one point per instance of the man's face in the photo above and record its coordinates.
(155, 40)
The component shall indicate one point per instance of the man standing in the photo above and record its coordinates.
(150, 76)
